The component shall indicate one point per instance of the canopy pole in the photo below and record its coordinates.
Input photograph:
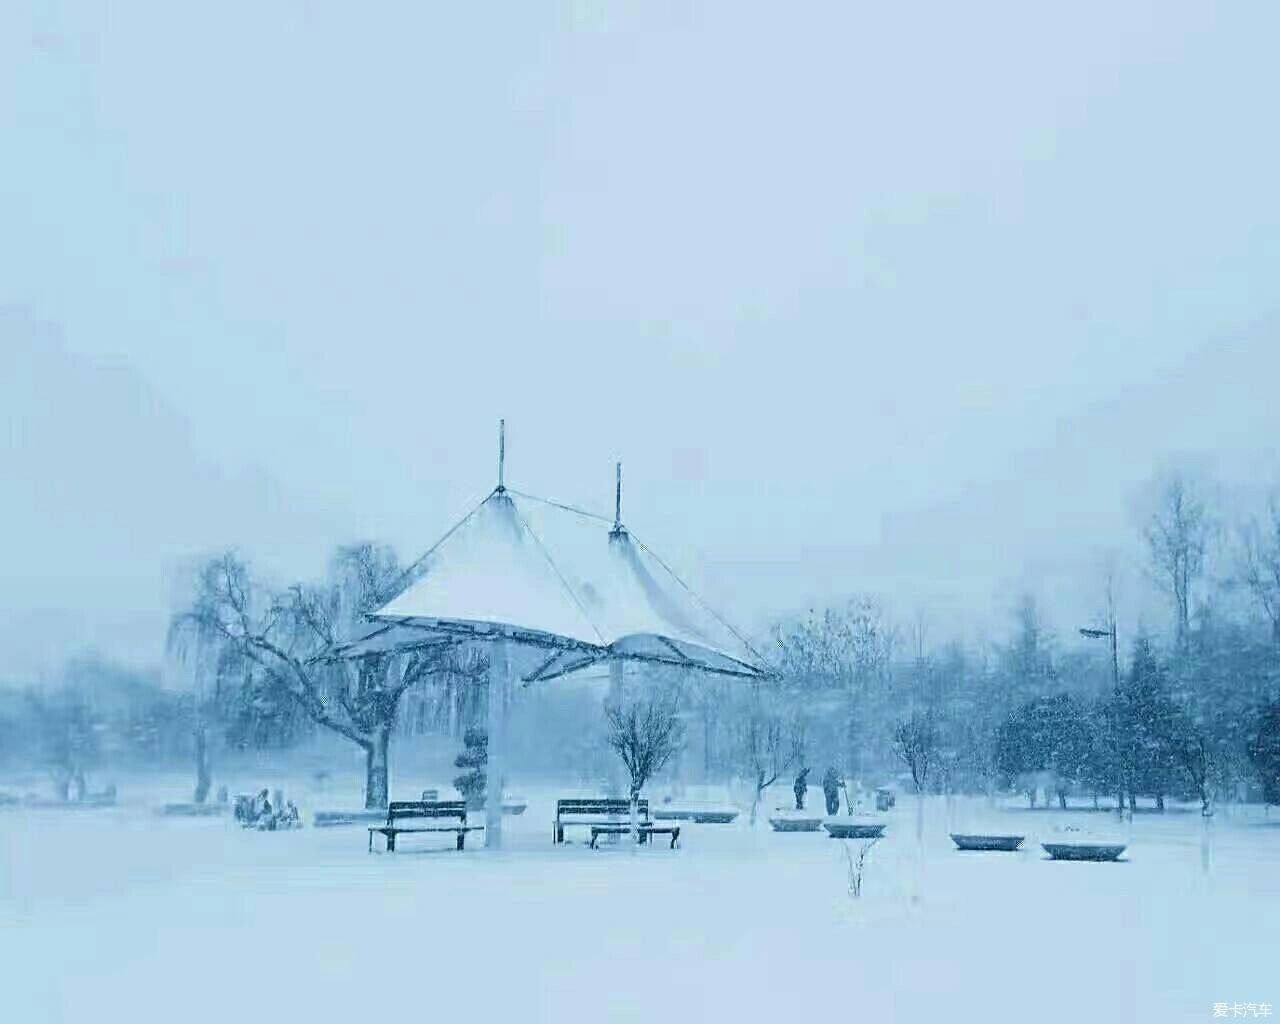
(495, 766)
(618, 529)
(502, 453)
(617, 500)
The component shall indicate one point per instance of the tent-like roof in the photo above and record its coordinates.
(570, 581)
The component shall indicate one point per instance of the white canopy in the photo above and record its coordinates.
(564, 579)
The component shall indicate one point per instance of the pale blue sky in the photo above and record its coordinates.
(909, 298)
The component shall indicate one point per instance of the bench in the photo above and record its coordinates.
(595, 811)
(410, 810)
(647, 832)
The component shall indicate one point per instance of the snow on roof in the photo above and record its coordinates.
(534, 565)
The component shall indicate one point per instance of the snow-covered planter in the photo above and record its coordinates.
(1006, 844)
(852, 828)
(1076, 844)
(1084, 851)
(784, 822)
(207, 810)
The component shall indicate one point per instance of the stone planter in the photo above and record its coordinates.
(796, 824)
(1084, 851)
(1005, 844)
(854, 829)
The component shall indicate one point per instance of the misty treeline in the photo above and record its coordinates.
(1089, 714)
(1187, 710)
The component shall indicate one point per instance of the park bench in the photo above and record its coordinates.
(412, 810)
(608, 816)
(594, 811)
(647, 832)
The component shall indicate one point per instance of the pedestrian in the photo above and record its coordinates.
(831, 789)
(801, 787)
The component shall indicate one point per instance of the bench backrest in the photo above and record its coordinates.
(605, 807)
(399, 810)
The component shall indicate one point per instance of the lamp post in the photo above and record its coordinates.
(1110, 633)
(1098, 634)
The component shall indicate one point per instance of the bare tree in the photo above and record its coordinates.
(857, 863)
(768, 746)
(1177, 536)
(915, 742)
(1260, 563)
(286, 635)
(847, 651)
(644, 734)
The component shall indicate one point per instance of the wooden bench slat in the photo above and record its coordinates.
(644, 830)
(408, 810)
(570, 812)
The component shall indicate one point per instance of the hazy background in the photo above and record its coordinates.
(909, 300)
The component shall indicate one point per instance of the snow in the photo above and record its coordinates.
(523, 562)
(120, 914)
(491, 569)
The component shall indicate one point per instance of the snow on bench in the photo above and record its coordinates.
(402, 810)
(595, 811)
(647, 832)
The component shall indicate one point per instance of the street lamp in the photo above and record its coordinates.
(1110, 634)
(1099, 634)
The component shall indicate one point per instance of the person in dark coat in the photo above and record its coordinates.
(831, 790)
(801, 788)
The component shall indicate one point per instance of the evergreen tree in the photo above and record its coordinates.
(1148, 721)
(474, 758)
(1264, 752)
(1050, 735)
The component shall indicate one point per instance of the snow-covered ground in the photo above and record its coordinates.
(122, 915)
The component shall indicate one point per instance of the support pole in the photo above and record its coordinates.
(502, 454)
(618, 783)
(617, 501)
(495, 767)
(615, 699)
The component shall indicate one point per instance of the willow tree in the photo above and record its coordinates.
(287, 634)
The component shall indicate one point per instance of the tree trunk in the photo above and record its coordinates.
(635, 818)
(204, 778)
(377, 779)
(1160, 802)
(1062, 799)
